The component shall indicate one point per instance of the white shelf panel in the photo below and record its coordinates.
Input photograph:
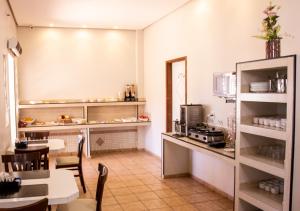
(85, 126)
(264, 131)
(260, 198)
(263, 164)
(117, 103)
(80, 104)
(263, 97)
(51, 128)
(127, 124)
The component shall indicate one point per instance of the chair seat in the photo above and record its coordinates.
(67, 161)
(79, 205)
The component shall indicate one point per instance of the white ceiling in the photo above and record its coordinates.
(123, 14)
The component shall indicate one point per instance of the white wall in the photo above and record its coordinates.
(214, 35)
(75, 63)
(7, 30)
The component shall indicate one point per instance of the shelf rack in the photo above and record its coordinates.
(83, 126)
(86, 110)
(251, 167)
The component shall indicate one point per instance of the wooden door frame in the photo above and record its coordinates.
(169, 93)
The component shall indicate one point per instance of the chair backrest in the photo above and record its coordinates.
(36, 135)
(41, 205)
(80, 147)
(22, 162)
(103, 172)
(44, 151)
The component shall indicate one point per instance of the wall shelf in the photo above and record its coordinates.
(260, 198)
(82, 126)
(264, 97)
(108, 114)
(264, 131)
(80, 104)
(262, 163)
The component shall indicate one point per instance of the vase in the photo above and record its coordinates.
(273, 49)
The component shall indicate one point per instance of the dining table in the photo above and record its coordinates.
(58, 185)
(53, 144)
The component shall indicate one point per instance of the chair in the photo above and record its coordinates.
(89, 204)
(73, 163)
(37, 206)
(22, 162)
(44, 151)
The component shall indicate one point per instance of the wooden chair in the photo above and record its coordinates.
(22, 162)
(37, 206)
(44, 151)
(89, 204)
(73, 163)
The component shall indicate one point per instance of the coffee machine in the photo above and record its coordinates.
(191, 116)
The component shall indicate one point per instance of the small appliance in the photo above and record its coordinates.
(208, 135)
(191, 116)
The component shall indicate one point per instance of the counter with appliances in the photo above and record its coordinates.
(176, 154)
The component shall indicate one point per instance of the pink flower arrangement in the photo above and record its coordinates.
(270, 27)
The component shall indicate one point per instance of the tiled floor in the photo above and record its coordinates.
(134, 183)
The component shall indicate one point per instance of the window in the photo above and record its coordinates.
(11, 98)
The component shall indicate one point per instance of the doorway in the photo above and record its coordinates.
(176, 89)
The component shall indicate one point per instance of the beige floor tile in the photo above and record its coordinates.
(139, 189)
(175, 201)
(185, 208)
(155, 204)
(134, 183)
(185, 191)
(208, 206)
(195, 198)
(124, 199)
(109, 201)
(135, 206)
(112, 208)
(147, 196)
(161, 186)
(120, 191)
(163, 209)
(165, 193)
(225, 203)
(114, 184)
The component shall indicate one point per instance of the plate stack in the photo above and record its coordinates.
(259, 87)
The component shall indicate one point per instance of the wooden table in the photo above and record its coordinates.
(176, 154)
(62, 188)
(53, 144)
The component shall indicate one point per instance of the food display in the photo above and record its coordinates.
(28, 120)
(144, 118)
(64, 119)
(79, 121)
(72, 114)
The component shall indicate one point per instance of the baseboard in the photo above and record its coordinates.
(99, 152)
(177, 176)
(215, 189)
(151, 153)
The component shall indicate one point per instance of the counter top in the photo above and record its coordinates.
(219, 151)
